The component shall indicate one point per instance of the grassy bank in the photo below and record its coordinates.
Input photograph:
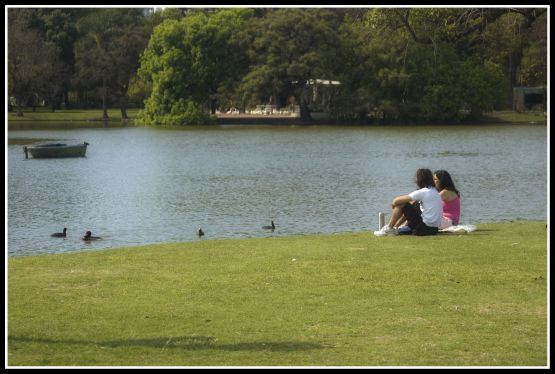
(476, 299)
(43, 118)
(509, 116)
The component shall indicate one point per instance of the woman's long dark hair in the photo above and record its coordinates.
(424, 178)
(445, 181)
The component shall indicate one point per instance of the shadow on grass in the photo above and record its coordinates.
(179, 342)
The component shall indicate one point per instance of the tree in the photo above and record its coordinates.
(186, 61)
(491, 33)
(108, 53)
(33, 64)
(60, 29)
(533, 70)
(424, 64)
(289, 48)
(358, 93)
(518, 42)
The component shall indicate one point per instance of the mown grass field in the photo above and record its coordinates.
(353, 299)
(44, 118)
(70, 115)
(509, 116)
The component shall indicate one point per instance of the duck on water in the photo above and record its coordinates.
(59, 234)
(88, 236)
(272, 227)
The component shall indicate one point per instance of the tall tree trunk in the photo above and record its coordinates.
(305, 111)
(65, 97)
(104, 103)
(18, 105)
(123, 107)
(304, 106)
(275, 96)
(303, 102)
(514, 65)
(123, 102)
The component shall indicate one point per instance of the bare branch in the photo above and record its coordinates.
(405, 20)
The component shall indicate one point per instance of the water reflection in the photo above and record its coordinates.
(138, 186)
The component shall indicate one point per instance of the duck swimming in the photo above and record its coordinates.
(273, 227)
(59, 234)
(88, 236)
(200, 233)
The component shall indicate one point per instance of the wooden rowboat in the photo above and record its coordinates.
(51, 150)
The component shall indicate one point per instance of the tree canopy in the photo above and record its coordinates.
(186, 60)
(393, 64)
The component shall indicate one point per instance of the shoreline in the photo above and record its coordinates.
(258, 121)
(254, 238)
(91, 118)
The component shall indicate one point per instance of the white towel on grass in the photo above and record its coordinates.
(459, 228)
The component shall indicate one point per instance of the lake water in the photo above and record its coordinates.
(140, 186)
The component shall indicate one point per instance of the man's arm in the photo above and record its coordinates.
(401, 200)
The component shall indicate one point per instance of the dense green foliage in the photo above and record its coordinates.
(288, 48)
(182, 64)
(185, 61)
(476, 299)
(107, 54)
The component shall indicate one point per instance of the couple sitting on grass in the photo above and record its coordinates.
(433, 207)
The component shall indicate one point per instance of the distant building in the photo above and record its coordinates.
(529, 98)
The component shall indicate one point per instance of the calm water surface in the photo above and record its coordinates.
(140, 186)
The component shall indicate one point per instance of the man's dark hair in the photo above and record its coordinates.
(424, 178)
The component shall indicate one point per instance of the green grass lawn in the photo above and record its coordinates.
(45, 114)
(353, 299)
(509, 116)
(44, 118)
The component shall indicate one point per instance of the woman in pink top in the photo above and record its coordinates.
(450, 197)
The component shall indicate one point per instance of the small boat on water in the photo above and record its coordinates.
(50, 150)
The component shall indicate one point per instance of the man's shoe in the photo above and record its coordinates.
(386, 231)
